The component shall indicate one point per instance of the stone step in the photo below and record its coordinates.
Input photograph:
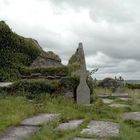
(101, 129)
(73, 124)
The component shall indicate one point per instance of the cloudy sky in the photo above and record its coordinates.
(109, 30)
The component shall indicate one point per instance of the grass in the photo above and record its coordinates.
(131, 92)
(15, 109)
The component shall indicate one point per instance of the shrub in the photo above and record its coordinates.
(15, 51)
(53, 71)
(32, 88)
(70, 83)
(133, 86)
(108, 83)
(9, 74)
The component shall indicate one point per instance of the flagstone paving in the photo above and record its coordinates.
(28, 127)
(101, 129)
(132, 116)
(40, 119)
(73, 124)
(19, 132)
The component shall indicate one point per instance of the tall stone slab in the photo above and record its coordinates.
(83, 91)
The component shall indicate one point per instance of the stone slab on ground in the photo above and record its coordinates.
(83, 139)
(107, 101)
(104, 95)
(5, 84)
(119, 105)
(125, 99)
(132, 116)
(121, 95)
(39, 119)
(101, 129)
(138, 101)
(19, 132)
(73, 124)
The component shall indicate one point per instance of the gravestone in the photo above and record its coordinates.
(83, 91)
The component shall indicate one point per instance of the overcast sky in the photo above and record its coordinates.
(109, 30)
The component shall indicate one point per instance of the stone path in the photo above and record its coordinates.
(132, 116)
(19, 132)
(70, 125)
(39, 120)
(30, 126)
(101, 129)
(27, 127)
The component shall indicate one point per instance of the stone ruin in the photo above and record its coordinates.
(46, 59)
(49, 59)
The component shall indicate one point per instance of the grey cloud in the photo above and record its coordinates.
(5, 2)
(112, 29)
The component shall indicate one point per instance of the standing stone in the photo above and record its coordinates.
(83, 91)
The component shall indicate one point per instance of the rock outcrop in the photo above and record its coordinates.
(47, 59)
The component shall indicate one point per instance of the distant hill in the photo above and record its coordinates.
(15, 52)
(133, 81)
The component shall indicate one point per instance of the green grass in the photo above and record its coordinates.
(15, 52)
(15, 109)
